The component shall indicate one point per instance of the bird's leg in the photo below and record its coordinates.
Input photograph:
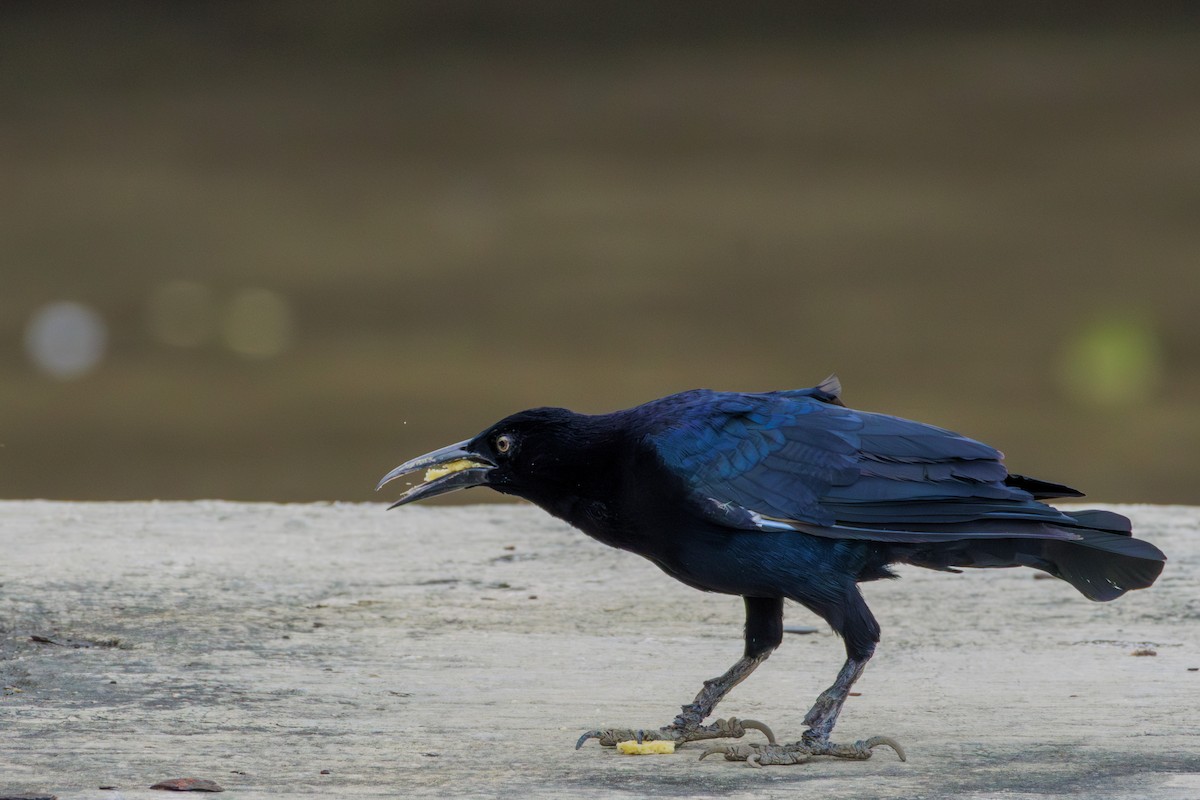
(764, 632)
(821, 718)
(714, 691)
(861, 632)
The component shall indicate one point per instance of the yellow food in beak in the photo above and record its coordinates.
(632, 748)
(448, 467)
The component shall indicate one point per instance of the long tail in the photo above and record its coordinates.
(1102, 559)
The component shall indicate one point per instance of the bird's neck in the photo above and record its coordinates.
(605, 488)
(579, 481)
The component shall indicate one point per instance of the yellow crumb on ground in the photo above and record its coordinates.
(632, 748)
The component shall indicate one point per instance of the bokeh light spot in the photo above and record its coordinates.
(257, 324)
(1112, 363)
(66, 340)
(181, 314)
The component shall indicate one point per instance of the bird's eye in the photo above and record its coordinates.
(504, 443)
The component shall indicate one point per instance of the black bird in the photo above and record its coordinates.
(787, 495)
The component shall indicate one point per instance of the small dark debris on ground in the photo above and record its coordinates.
(78, 644)
(188, 785)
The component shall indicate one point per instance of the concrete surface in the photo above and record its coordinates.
(459, 651)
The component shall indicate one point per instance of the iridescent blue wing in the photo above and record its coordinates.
(799, 460)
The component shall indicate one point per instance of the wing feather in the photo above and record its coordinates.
(800, 460)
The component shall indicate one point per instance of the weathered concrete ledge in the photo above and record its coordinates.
(440, 652)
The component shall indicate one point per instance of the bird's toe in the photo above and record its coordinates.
(731, 728)
(858, 751)
(609, 737)
(761, 755)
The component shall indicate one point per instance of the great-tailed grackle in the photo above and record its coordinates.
(787, 495)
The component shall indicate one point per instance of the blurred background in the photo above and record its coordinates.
(268, 250)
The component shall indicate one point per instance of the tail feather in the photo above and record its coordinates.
(1103, 521)
(1100, 557)
(1103, 566)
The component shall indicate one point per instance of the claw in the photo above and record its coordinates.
(875, 741)
(754, 724)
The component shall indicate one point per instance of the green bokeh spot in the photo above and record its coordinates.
(1112, 363)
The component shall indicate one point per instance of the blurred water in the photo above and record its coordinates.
(258, 324)
(181, 314)
(323, 241)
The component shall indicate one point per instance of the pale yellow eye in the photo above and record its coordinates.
(504, 443)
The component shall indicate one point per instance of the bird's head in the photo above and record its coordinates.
(531, 454)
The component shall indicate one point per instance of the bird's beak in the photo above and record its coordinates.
(447, 470)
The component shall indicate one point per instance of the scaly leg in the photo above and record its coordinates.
(764, 632)
(860, 631)
(821, 718)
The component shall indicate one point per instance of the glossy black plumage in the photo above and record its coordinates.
(792, 495)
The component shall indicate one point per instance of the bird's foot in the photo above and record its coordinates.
(732, 728)
(761, 755)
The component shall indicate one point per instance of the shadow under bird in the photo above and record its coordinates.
(786, 495)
